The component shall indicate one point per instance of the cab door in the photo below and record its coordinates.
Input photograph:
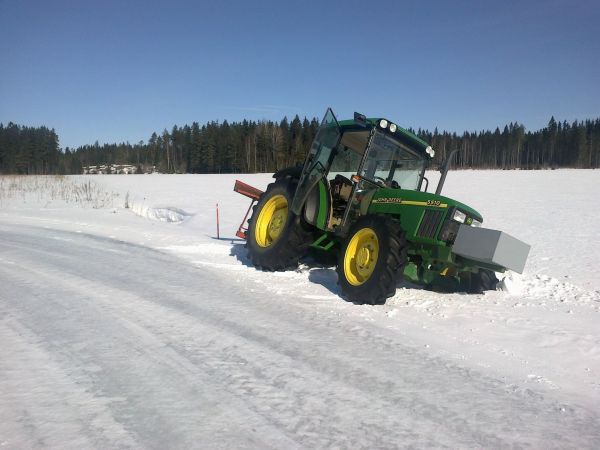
(318, 159)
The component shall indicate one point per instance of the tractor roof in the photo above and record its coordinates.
(401, 134)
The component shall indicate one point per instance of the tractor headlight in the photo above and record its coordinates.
(393, 127)
(476, 223)
(459, 216)
(383, 123)
(430, 151)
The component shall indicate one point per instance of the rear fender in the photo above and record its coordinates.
(317, 208)
(289, 172)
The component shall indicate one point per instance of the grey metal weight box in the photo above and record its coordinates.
(492, 247)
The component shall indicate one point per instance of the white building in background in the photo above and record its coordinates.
(116, 169)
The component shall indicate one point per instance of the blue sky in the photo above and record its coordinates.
(116, 71)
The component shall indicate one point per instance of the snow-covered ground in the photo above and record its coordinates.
(98, 272)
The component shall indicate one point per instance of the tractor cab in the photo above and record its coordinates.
(349, 162)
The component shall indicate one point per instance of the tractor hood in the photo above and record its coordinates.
(426, 218)
(398, 200)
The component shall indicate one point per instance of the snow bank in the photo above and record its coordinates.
(164, 213)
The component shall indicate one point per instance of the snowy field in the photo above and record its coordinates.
(124, 322)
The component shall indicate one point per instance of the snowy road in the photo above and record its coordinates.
(134, 348)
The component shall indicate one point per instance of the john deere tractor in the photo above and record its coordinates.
(361, 198)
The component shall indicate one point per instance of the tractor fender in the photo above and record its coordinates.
(289, 172)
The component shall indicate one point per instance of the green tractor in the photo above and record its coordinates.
(361, 198)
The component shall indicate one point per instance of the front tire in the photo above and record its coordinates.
(276, 237)
(372, 260)
(481, 281)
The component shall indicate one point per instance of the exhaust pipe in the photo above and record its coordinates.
(444, 171)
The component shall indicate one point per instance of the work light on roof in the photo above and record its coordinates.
(393, 127)
(383, 123)
(430, 151)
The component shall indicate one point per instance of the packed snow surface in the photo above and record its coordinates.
(125, 322)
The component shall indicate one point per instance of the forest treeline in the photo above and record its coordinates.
(266, 146)
(29, 150)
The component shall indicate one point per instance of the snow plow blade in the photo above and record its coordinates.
(251, 192)
(491, 247)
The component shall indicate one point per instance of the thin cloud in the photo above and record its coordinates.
(265, 109)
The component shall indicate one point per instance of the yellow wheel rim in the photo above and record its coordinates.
(271, 220)
(361, 256)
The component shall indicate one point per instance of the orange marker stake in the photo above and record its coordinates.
(218, 236)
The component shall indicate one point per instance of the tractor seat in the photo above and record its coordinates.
(341, 188)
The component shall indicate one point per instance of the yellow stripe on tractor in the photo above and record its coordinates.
(415, 203)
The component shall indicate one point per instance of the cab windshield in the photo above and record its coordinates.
(392, 163)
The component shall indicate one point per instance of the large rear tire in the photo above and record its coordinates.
(276, 237)
(372, 260)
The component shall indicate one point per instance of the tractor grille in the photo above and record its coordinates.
(429, 223)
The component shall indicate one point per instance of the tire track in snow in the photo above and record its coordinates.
(161, 397)
(42, 405)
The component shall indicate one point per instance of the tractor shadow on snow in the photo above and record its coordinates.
(318, 272)
(327, 277)
(239, 252)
